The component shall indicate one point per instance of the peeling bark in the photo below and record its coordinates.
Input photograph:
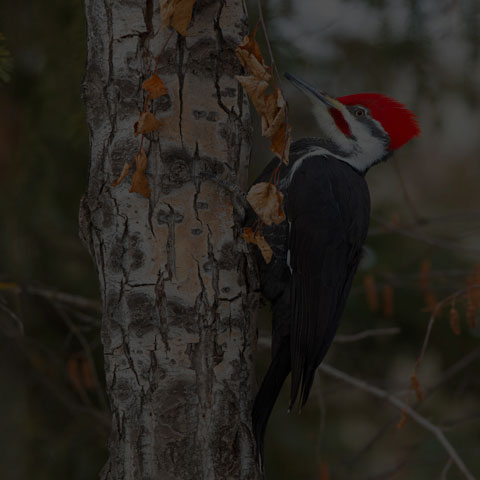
(179, 290)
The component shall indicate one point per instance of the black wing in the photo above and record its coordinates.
(328, 228)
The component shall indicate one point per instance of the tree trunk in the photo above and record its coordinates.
(179, 292)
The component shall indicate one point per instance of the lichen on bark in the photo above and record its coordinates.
(179, 290)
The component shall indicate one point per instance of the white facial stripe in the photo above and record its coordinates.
(329, 127)
(369, 148)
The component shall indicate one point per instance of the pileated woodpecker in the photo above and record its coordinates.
(316, 250)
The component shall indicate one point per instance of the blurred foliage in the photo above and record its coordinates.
(5, 61)
(425, 209)
(49, 429)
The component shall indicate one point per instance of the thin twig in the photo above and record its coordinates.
(374, 332)
(433, 316)
(414, 415)
(455, 369)
(274, 67)
(411, 205)
(265, 342)
(446, 468)
(157, 60)
(405, 231)
(88, 354)
(16, 319)
(72, 300)
(450, 424)
(267, 40)
(377, 436)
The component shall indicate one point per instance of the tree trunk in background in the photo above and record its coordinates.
(179, 292)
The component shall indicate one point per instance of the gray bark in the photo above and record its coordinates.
(179, 292)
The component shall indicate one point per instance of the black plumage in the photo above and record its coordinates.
(316, 251)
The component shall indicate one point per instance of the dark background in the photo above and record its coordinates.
(425, 218)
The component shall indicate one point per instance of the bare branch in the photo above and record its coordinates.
(88, 355)
(446, 468)
(455, 369)
(414, 415)
(408, 200)
(67, 298)
(433, 316)
(374, 332)
(265, 342)
(409, 232)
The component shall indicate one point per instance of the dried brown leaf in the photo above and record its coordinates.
(455, 320)
(371, 292)
(271, 107)
(473, 282)
(257, 239)
(388, 304)
(424, 276)
(266, 200)
(125, 170)
(177, 14)
(87, 375)
(154, 87)
(430, 300)
(255, 88)
(324, 475)
(146, 123)
(139, 180)
(416, 387)
(280, 145)
(141, 160)
(471, 310)
(476, 274)
(274, 116)
(250, 45)
(74, 373)
(403, 419)
(248, 52)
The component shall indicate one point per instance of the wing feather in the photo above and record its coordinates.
(323, 258)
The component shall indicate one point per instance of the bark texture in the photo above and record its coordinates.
(179, 291)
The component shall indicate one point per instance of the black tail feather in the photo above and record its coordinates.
(267, 395)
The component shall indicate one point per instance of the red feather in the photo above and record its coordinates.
(399, 122)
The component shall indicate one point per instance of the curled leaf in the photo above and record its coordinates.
(177, 14)
(388, 307)
(403, 419)
(280, 143)
(424, 275)
(154, 87)
(125, 170)
(146, 123)
(430, 300)
(139, 180)
(271, 107)
(248, 52)
(255, 88)
(266, 200)
(416, 387)
(455, 320)
(471, 311)
(371, 292)
(257, 239)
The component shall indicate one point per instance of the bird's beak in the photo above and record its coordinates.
(308, 89)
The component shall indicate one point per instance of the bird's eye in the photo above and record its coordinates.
(359, 112)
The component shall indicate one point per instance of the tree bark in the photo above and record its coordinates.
(179, 290)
